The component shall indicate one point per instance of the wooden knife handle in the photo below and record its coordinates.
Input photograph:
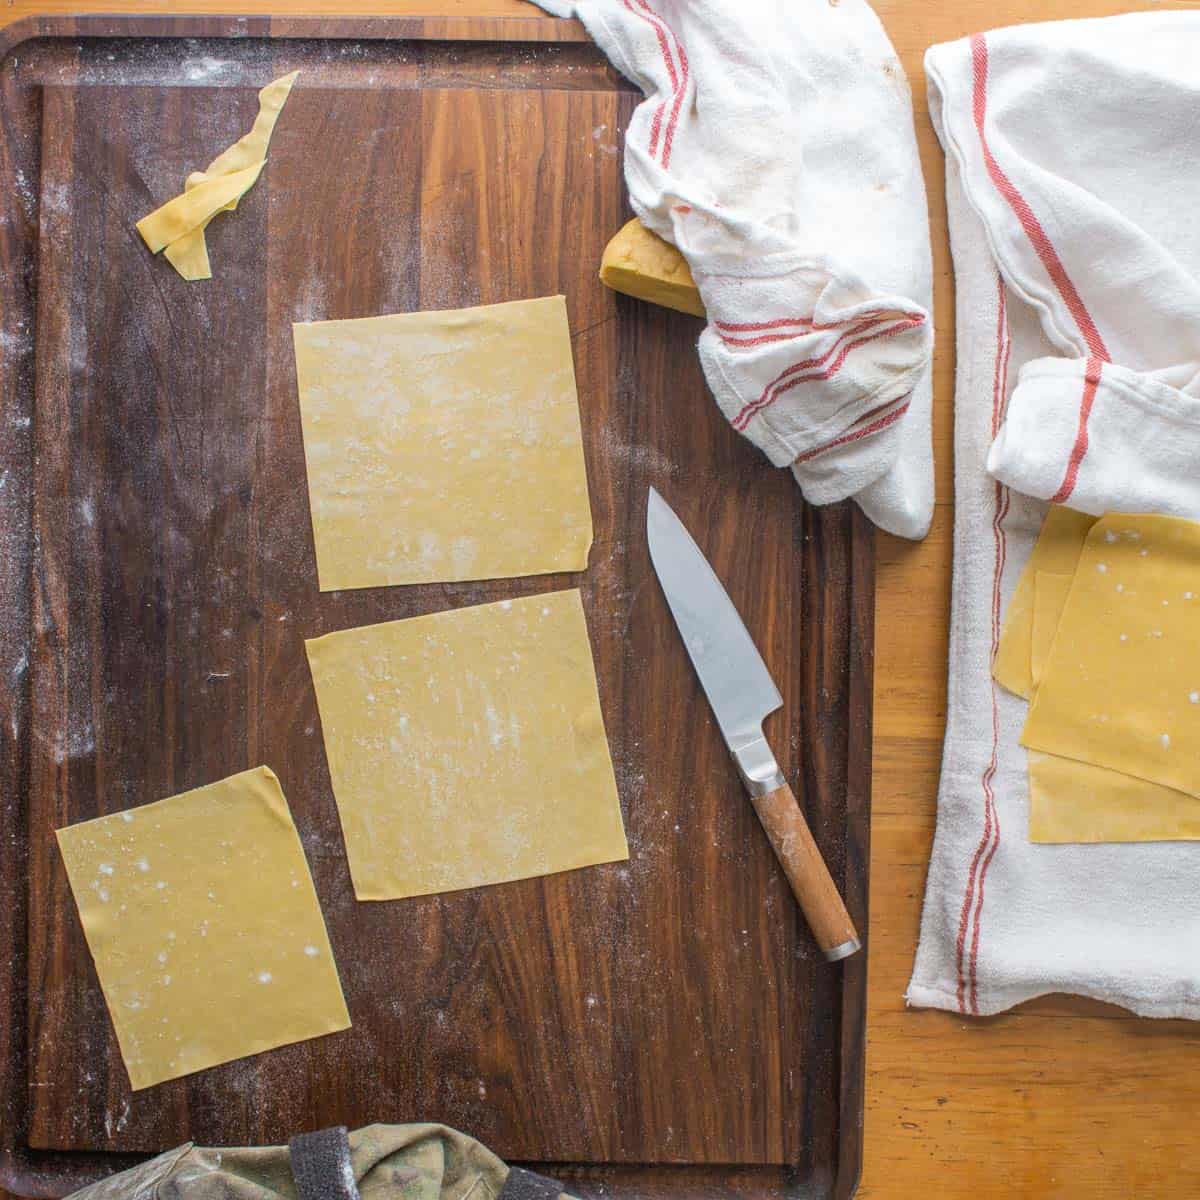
(807, 873)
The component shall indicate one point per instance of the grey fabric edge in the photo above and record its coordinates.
(321, 1165)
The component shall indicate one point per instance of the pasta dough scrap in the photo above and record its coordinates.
(640, 263)
(177, 228)
(195, 208)
(467, 747)
(1121, 686)
(443, 446)
(1056, 551)
(205, 928)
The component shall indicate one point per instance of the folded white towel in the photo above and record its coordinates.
(775, 148)
(1006, 920)
(1077, 146)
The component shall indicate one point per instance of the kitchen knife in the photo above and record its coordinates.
(740, 689)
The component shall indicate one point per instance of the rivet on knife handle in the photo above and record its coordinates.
(740, 689)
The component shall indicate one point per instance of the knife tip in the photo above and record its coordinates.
(654, 503)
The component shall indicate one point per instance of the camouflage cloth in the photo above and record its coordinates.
(389, 1162)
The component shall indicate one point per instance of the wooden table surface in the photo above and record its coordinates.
(1062, 1097)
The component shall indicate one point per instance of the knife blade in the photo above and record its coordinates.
(742, 694)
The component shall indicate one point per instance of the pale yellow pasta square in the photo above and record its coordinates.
(467, 747)
(1049, 599)
(443, 446)
(1120, 686)
(1056, 550)
(206, 932)
(1076, 802)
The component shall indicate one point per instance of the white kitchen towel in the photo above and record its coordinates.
(776, 149)
(1006, 920)
(1077, 145)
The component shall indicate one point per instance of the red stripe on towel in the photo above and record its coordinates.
(648, 15)
(797, 326)
(971, 914)
(859, 431)
(779, 323)
(671, 49)
(680, 92)
(1091, 380)
(1027, 217)
(790, 377)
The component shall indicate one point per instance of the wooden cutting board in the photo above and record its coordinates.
(661, 1024)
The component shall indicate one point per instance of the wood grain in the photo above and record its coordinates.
(1062, 1098)
(673, 1010)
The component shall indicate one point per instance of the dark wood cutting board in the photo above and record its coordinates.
(659, 1026)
